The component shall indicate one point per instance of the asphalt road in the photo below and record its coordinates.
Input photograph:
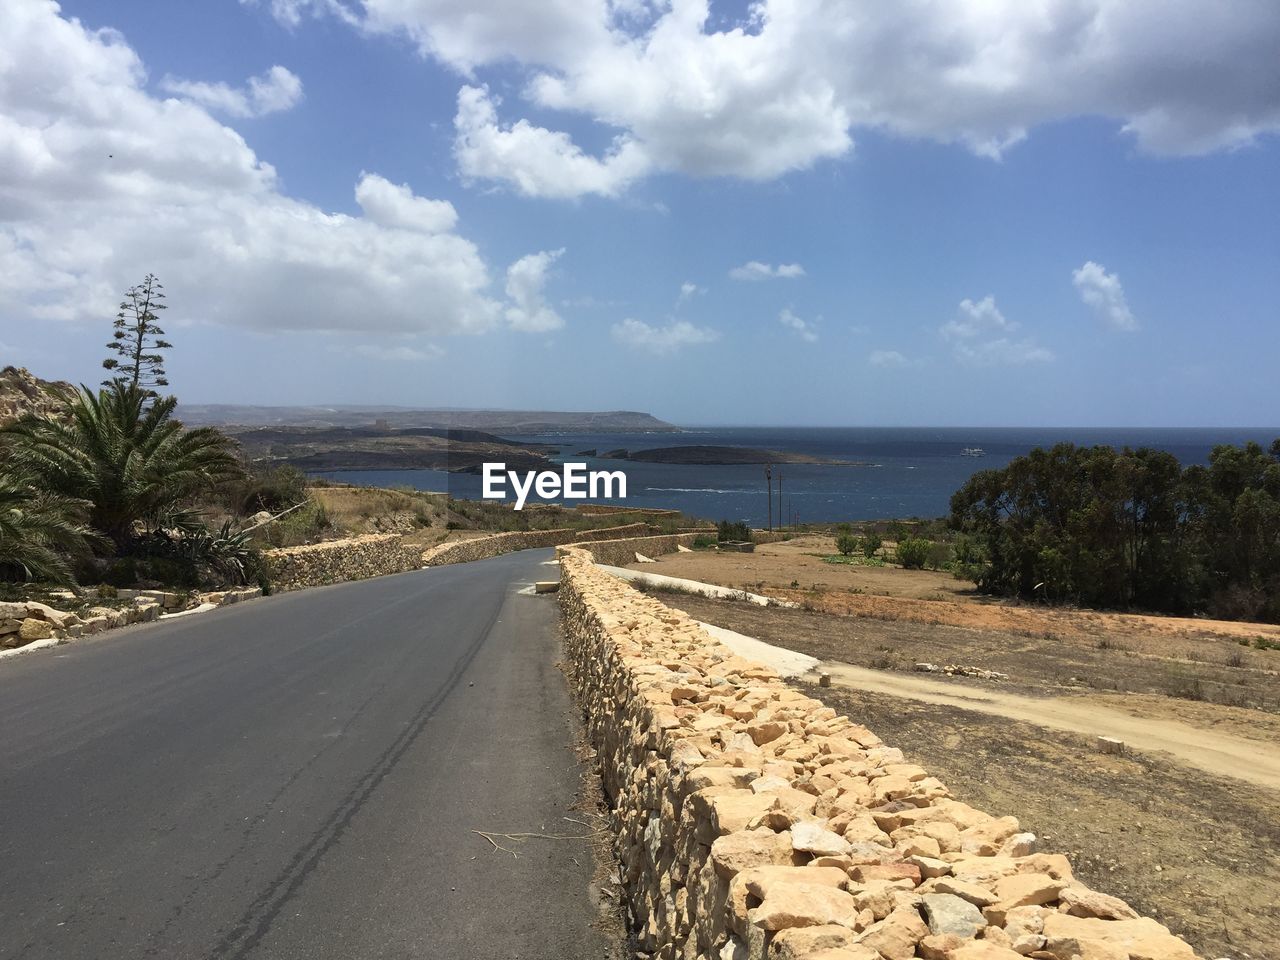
(300, 777)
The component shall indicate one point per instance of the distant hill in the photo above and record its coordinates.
(370, 448)
(22, 392)
(489, 421)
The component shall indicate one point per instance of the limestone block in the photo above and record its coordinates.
(33, 629)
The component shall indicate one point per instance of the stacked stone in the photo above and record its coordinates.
(494, 545)
(753, 822)
(27, 621)
(223, 598)
(619, 553)
(337, 561)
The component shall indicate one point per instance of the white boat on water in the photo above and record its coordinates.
(973, 452)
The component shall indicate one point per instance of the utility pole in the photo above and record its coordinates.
(780, 523)
(768, 482)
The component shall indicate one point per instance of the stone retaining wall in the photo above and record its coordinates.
(481, 548)
(618, 553)
(337, 561)
(754, 822)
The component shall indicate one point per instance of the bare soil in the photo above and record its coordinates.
(1191, 677)
(1199, 853)
(1193, 659)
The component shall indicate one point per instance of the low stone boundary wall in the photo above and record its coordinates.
(481, 548)
(337, 561)
(608, 509)
(754, 822)
(619, 553)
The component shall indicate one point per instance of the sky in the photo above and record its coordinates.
(794, 212)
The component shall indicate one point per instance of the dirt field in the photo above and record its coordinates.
(1192, 659)
(1200, 854)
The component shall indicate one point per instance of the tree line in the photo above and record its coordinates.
(1128, 529)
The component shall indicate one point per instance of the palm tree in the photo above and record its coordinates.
(40, 533)
(124, 454)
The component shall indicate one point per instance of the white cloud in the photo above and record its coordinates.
(101, 182)
(978, 318)
(291, 12)
(689, 290)
(886, 358)
(394, 205)
(400, 352)
(1103, 292)
(755, 270)
(526, 279)
(676, 334)
(803, 328)
(536, 161)
(276, 90)
(1003, 351)
(981, 336)
(788, 84)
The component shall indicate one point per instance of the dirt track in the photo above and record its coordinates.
(1225, 755)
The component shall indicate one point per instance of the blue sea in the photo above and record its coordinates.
(909, 472)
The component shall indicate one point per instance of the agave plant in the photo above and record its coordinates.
(40, 532)
(227, 551)
(123, 453)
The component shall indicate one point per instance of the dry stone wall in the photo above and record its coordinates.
(755, 823)
(336, 561)
(481, 548)
(605, 510)
(618, 553)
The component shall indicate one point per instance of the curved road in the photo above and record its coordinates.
(299, 777)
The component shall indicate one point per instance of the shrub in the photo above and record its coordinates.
(870, 544)
(733, 531)
(701, 542)
(302, 526)
(273, 490)
(846, 543)
(939, 556)
(913, 553)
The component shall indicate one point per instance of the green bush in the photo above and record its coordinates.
(870, 544)
(847, 543)
(939, 557)
(272, 489)
(703, 542)
(913, 553)
(738, 531)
